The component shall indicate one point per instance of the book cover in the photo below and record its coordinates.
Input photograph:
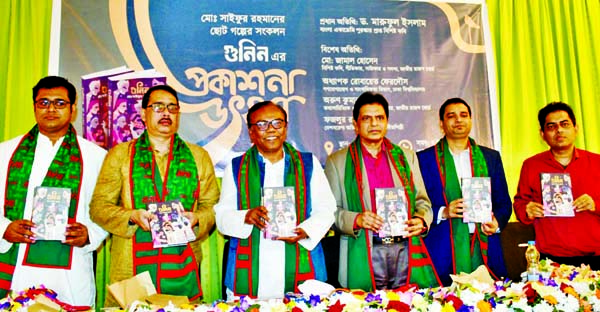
(392, 206)
(94, 88)
(125, 96)
(170, 227)
(50, 212)
(477, 194)
(557, 195)
(281, 204)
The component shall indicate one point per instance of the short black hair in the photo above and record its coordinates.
(370, 98)
(554, 107)
(260, 105)
(167, 88)
(455, 100)
(52, 82)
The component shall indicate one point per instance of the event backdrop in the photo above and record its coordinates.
(313, 57)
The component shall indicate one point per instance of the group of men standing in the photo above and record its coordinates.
(110, 195)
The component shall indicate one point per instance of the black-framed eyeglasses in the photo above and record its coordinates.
(45, 103)
(263, 125)
(160, 107)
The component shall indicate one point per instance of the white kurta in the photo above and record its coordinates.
(75, 286)
(230, 221)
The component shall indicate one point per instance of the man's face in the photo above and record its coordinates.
(457, 121)
(559, 131)
(371, 124)
(51, 120)
(271, 140)
(163, 124)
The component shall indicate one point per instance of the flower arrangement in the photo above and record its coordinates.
(563, 288)
(41, 298)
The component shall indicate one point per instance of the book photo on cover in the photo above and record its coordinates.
(125, 97)
(477, 194)
(170, 227)
(50, 212)
(280, 202)
(557, 195)
(392, 206)
(94, 88)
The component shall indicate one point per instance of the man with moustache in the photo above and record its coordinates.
(568, 240)
(154, 168)
(51, 154)
(456, 246)
(257, 266)
(372, 161)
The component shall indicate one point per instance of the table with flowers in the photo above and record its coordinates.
(561, 288)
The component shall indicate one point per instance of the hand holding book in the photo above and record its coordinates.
(583, 203)
(19, 231)
(455, 209)
(369, 220)
(76, 235)
(142, 218)
(257, 216)
(491, 227)
(300, 234)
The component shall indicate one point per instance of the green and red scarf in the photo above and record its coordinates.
(298, 262)
(467, 254)
(173, 269)
(66, 170)
(360, 265)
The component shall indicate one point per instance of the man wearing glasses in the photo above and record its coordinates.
(155, 168)
(51, 154)
(370, 260)
(257, 266)
(569, 240)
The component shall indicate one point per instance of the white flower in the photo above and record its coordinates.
(471, 298)
(419, 303)
(501, 307)
(595, 302)
(583, 289)
(570, 303)
(435, 307)
(354, 306)
(273, 307)
(543, 307)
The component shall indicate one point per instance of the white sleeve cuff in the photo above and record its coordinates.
(440, 216)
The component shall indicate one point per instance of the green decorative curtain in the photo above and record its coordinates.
(24, 46)
(545, 50)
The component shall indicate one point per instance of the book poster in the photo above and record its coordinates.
(477, 194)
(391, 206)
(170, 227)
(557, 196)
(312, 57)
(96, 106)
(50, 212)
(281, 205)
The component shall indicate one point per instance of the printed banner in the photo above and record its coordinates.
(313, 57)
